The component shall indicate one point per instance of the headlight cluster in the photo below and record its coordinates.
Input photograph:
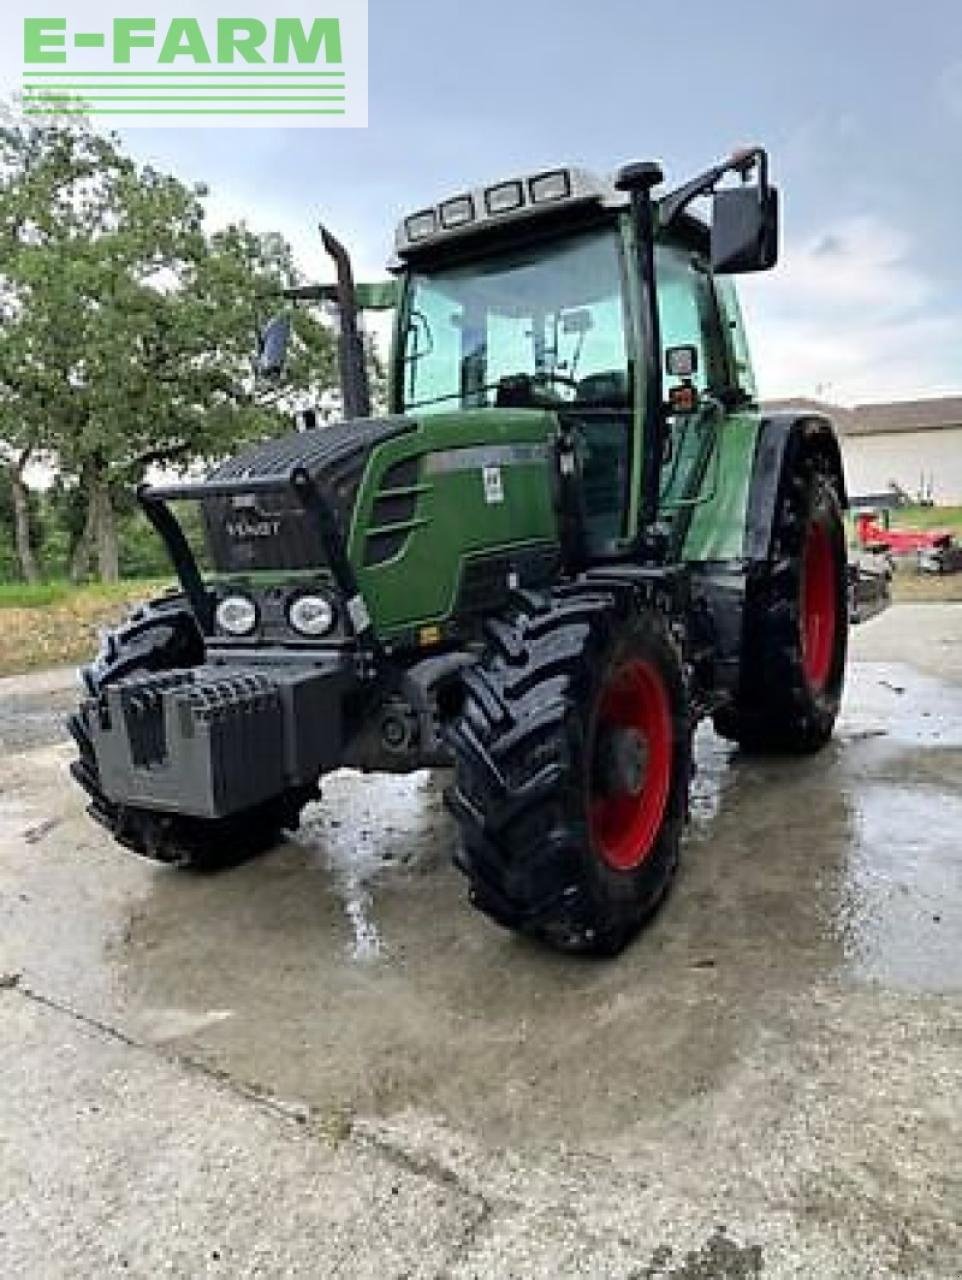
(311, 615)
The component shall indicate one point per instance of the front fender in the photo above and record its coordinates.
(783, 438)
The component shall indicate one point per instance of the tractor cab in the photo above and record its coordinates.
(564, 292)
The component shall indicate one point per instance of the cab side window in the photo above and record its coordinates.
(688, 314)
(741, 356)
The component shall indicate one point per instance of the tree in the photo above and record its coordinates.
(20, 529)
(39, 171)
(127, 328)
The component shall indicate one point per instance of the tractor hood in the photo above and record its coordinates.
(434, 516)
(272, 531)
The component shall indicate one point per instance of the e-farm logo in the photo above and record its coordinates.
(302, 67)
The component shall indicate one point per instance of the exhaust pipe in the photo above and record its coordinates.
(355, 388)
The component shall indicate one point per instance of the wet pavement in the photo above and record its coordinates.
(324, 1063)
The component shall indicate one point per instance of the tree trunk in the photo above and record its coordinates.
(98, 541)
(108, 555)
(21, 520)
(80, 557)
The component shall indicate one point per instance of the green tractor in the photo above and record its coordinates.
(574, 536)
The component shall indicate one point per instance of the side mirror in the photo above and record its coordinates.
(744, 229)
(272, 346)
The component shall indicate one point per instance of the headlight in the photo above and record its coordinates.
(311, 615)
(237, 615)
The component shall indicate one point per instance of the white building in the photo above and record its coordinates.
(914, 445)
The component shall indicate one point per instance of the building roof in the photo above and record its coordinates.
(938, 414)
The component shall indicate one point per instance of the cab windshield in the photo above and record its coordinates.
(535, 325)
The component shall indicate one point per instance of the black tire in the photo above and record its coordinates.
(795, 630)
(535, 781)
(162, 636)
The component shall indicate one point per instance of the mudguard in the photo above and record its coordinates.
(782, 437)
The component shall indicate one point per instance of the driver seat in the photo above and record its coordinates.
(608, 390)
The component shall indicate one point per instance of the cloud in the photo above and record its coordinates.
(858, 262)
(847, 315)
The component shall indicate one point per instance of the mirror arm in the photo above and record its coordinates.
(741, 162)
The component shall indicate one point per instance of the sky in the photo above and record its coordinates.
(859, 104)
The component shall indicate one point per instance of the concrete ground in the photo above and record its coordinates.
(325, 1064)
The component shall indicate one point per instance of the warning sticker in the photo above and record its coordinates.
(493, 485)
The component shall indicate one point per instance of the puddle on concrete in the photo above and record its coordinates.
(348, 968)
(896, 905)
(366, 826)
(873, 826)
(160, 1026)
(902, 705)
(35, 720)
(712, 779)
(899, 911)
(867, 836)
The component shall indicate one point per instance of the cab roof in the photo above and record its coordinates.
(512, 200)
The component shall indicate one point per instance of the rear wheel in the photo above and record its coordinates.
(795, 629)
(572, 765)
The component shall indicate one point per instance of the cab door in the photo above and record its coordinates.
(689, 318)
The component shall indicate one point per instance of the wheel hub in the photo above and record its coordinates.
(622, 761)
(631, 765)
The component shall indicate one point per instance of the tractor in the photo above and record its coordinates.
(573, 536)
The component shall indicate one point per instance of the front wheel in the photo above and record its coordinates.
(572, 757)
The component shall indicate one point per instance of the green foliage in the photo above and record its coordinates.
(128, 329)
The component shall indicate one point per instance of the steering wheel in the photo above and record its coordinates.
(551, 375)
(531, 389)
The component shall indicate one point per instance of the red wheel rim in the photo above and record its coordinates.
(819, 616)
(626, 813)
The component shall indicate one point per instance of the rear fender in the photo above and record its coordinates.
(783, 439)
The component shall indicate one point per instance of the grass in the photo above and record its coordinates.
(928, 518)
(22, 595)
(55, 623)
